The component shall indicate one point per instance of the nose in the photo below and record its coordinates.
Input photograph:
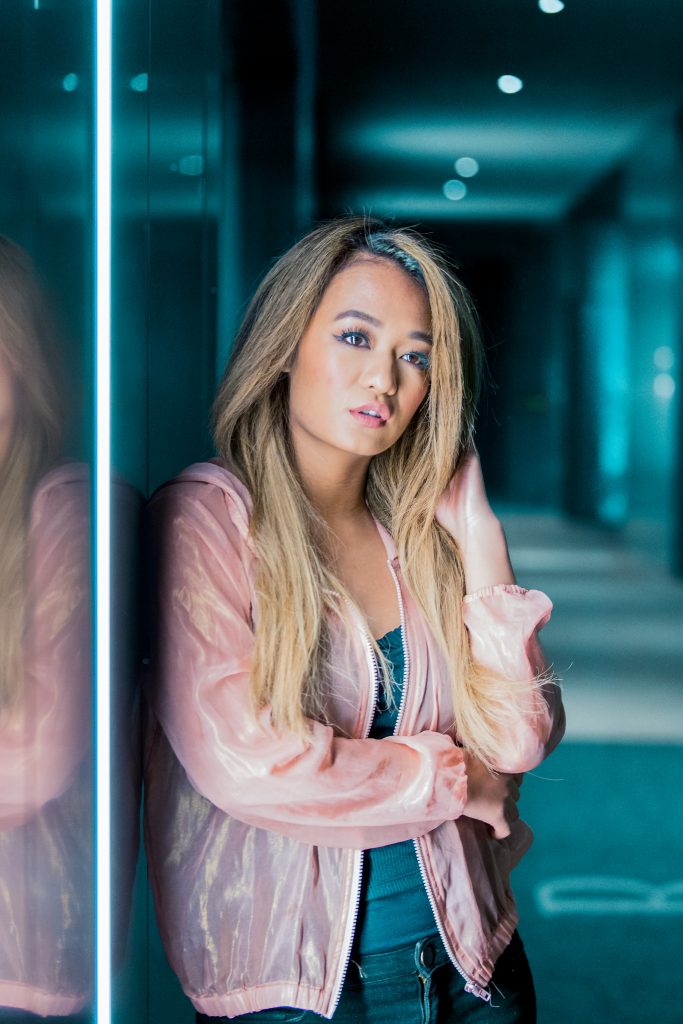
(379, 373)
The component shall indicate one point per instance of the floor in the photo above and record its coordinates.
(600, 892)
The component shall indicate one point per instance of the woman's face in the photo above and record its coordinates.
(367, 346)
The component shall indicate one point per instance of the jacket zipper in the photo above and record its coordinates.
(470, 985)
(358, 866)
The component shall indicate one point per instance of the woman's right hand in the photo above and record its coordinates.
(491, 798)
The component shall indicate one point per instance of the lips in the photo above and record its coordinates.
(381, 411)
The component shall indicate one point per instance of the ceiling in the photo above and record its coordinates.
(405, 87)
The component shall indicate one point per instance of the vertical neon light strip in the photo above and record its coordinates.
(102, 508)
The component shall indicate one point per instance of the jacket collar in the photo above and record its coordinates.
(215, 471)
(387, 540)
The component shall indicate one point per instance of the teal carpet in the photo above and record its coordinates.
(600, 914)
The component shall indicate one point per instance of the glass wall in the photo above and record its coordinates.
(46, 458)
(166, 133)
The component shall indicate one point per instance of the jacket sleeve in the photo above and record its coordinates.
(503, 622)
(46, 734)
(323, 789)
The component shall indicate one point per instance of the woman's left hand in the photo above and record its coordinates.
(464, 510)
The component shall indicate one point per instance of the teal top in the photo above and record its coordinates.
(394, 909)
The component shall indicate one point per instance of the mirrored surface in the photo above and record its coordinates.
(46, 795)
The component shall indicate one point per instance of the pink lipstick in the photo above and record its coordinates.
(372, 414)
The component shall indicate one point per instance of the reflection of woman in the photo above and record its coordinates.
(45, 921)
(340, 652)
(30, 435)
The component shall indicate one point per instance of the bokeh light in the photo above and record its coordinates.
(455, 189)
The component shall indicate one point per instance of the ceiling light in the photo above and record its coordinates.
(510, 83)
(454, 189)
(664, 385)
(139, 82)
(466, 166)
(551, 6)
(70, 83)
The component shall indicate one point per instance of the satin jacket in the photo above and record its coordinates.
(255, 837)
(46, 913)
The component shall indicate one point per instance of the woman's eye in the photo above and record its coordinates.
(421, 360)
(347, 336)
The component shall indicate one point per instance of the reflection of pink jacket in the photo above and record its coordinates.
(255, 837)
(45, 765)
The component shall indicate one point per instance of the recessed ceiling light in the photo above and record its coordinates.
(70, 83)
(551, 6)
(139, 82)
(510, 83)
(664, 385)
(454, 189)
(466, 166)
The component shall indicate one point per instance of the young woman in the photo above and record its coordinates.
(345, 681)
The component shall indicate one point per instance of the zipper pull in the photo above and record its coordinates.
(477, 990)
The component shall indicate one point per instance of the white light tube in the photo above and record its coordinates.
(103, 91)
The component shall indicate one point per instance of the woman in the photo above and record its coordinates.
(346, 507)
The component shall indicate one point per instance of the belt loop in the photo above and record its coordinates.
(361, 972)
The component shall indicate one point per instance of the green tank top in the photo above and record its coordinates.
(394, 908)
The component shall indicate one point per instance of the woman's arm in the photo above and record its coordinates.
(46, 734)
(503, 619)
(325, 789)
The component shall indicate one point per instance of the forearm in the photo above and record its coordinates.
(503, 623)
(327, 790)
(486, 558)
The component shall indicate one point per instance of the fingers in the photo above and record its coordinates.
(513, 788)
(501, 830)
(511, 812)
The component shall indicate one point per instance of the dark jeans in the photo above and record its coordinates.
(417, 985)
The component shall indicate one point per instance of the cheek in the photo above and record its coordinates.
(415, 395)
(318, 386)
(327, 373)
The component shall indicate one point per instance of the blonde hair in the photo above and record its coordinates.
(35, 435)
(294, 583)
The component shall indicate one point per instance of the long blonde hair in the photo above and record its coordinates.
(294, 583)
(26, 342)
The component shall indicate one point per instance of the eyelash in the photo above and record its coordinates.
(362, 334)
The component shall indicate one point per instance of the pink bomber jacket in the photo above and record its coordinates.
(254, 837)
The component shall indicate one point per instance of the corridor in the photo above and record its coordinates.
(600, 893)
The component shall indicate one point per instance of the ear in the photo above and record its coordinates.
(289, 365)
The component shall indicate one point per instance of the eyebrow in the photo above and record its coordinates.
(417, 335)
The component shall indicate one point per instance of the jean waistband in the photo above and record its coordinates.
(423, 956)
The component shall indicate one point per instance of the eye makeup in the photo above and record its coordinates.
(423, 360)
